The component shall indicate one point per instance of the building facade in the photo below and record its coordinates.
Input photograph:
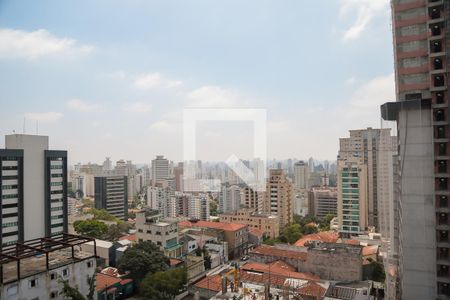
(230, 198)
(268, 224)
(352, 197)
(160, 169)
(421, 35)
(162, 232)
(301, 175)
(111, 194)
(278, 197)
(34, 189)
(324, 202)
(371, 147)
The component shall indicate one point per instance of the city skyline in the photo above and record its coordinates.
(122, 94)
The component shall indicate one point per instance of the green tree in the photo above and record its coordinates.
(142, 258)
(102, 214)
(309, 229)
(91, 228)
(87, 202)
(324, 223)
(212, 208)
(71, 292)
(291, 233)
(164, 285)
(376, 271)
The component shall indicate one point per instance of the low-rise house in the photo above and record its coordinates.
(255, 237)
(111, 287)
(322, 236)
(236, 235)
(105, 251)
(162, 232)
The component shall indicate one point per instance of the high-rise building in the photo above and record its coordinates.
(278, 197)
(34, 189)
(301, 175)
(421, 36)
(253, 199)
(230, 198)
(371, 147)
(323, 202)
(352, 197)
(160, 169)
(198, 207)
(111, 194)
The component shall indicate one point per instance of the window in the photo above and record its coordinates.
(32, 283)
(52, 276)
(12, 290)
(65, 272)
(53, 294)
(89, 264)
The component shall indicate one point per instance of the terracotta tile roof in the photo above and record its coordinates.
(175, 262)
(323, 236)
(370, 250)
(278, 268)
(273, 251)
(110, 271)
(256, 231)
(312, 289)
(126, 281)
(130, 237)
(213, 225)
(350, 242)
(212, 283)
(105, 281)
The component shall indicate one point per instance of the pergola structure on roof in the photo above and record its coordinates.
(40, 246)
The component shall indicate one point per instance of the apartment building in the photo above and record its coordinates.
(34, 189)
(322, 202)
(278, 197)
(269, 224)
(111, 194)
(253, 199)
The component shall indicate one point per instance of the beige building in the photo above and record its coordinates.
(352, 197)
(253, 199)
(372, 147)
(269, 224)
(278, 197)
(163, 233)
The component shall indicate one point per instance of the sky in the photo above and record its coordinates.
(112, 78)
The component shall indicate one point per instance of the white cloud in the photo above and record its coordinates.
(31, 45)
(82, 106)
(350, 81)
(366, 11)
(213, 96)
(137, 107)
(153, 81)
(366, 100)
(160, 125)
(44, 117)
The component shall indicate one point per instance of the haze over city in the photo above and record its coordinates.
(112, 79)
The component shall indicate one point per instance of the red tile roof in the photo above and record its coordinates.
(323, 236)
(273, 251)
(126, 281)
(312, 289)
(130, 237)
(370, 250)
(212, 283)
(256, 231)
(105, 281)
(213, 225)
(175, 262)
(350, 242)
(278, 268)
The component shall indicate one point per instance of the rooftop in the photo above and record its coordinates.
(40, 255)
(212, 225)
(273, 251)
(212, 283)
(278, 268)
(323, 236)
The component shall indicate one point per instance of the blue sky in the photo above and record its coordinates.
(111, 78)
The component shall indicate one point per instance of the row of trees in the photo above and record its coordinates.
(99, 230)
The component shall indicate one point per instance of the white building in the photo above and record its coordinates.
(230, 198)
(34, 189)
(301, 175)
